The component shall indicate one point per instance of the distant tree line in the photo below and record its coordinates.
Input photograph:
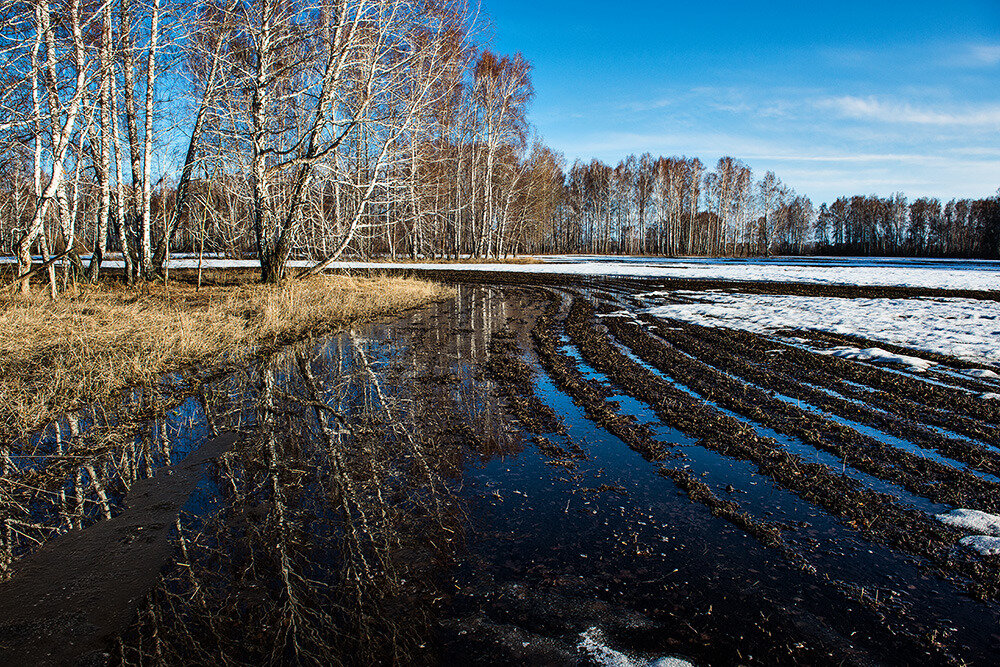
(318, 129)
(922, 228)
(675, 206)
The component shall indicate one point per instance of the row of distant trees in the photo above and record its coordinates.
(674, 206)
(312, 129)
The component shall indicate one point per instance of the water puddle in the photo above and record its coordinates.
(383, 506)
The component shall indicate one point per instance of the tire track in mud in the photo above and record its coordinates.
(516, 384)
(927, 402)
(799, 447)
(877, 516)
(924, 391)
(514, 379)
(922, 399)
(922, 476)
(745, 356)
(890, 617)
(925, 548)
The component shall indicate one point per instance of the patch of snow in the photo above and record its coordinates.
(990, 397)
(973, 520)
(981, 373)
(965, 328)
(869, 271)
(877, 355)
(593, 643)
(984, 544)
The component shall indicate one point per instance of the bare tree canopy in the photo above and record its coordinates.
(311, 129)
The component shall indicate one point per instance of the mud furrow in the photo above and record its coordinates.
(586, 393)
(917, 474)
(890, 392)
(593, 400)
(956, 400)
(514, 379)
(778, 374)
(875, 515)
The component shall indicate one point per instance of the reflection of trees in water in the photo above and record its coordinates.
(326, 536)
(79, 468)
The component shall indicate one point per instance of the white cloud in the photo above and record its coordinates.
(984, 54)
(652, 105)
(872, 108)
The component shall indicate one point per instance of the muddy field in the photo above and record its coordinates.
(537, 472)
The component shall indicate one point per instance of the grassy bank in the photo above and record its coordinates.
(55, 356)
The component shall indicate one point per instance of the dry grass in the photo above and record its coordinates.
(83, 348)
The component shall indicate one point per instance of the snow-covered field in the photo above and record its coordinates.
(874, 271)
(964, 328)
(942, 274)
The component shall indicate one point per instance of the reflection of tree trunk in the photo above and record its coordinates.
(6, 532)
(394, 423)
(345, 486)
(293, 606)
(147, 456)
(164, 442)
(102, 496)
(65, 523)
(76, 514)
(78, 499)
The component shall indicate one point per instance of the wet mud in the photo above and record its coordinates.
(516, 477)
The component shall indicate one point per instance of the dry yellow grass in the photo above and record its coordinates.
(55, 356)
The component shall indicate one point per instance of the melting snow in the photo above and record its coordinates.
(973, 520)
(987, 542)
(877, 355)
(941, 274)
(988, 546)
(593, 643)
(981, 373)
(964, 328)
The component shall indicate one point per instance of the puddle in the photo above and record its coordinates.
(383, 507)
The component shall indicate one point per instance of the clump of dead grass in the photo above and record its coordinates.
(57, 356)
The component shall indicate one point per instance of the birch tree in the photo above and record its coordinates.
(60, 114)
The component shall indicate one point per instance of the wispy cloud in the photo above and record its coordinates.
(911, 57)
(874, 109)
(865, 157)
(983, 55)
(733, 100)
(823, 172)
(651, 105)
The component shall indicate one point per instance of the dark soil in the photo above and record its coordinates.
(490, 480)
(84, 588)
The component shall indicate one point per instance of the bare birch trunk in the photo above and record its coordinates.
(61, 133)
(146, 238)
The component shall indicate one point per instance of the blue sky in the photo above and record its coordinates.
(837, 97)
